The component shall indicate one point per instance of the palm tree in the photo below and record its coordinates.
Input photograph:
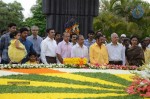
(116, 16)
(124, 7)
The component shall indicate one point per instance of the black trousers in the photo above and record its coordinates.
(4, 62)
(115, 62)
(51, 59)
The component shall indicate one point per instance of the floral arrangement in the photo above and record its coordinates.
(90, 66)
(141, 82)
(69, 63)
(75, 61)
(27, 66)
(121, 67)
(72, 26)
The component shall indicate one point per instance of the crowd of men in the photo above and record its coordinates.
(54, 48)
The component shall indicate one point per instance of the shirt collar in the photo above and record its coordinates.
(34, 37)
(113, 44)
(8, 33)
(73, 43)
(22, 39)
(88, 40)
(65, 43)
(98, 45)
(79, 46)
(49, 39)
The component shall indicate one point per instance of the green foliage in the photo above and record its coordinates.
(111, 23)
(11, 12)
(37, 19)
(116, 16)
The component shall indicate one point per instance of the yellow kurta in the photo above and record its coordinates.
(147, 56)
(98, 55)
(15, 54)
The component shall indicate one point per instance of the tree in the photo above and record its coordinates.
(38, 18)
(111, 23)
(120, 19)
(11, 12)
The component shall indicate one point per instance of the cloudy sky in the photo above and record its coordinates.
(27, 4)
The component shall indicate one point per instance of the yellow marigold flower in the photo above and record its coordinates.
(75, 61)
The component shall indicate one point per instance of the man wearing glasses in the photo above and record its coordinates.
(35, 39)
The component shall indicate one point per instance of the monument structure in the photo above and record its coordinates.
(58, 12)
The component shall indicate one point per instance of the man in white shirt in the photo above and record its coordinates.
(80, 50)
(48, 48)
(116, 51)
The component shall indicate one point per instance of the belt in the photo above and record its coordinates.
(50, 57)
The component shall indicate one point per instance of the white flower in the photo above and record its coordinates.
(9, 67)
(142, 84)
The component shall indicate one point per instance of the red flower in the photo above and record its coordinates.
(131, 90)
(140, 89)
(148, 88)
(97, 65)
(146, 95)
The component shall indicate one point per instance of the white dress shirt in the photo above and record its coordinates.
(72, 44)
(78, 51)
(48, 48)
(116, 52)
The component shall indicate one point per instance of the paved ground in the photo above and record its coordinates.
(6, 73)
(111, 71)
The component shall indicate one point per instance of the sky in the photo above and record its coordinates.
(27, 4)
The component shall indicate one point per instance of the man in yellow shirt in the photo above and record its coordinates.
(98, 52)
